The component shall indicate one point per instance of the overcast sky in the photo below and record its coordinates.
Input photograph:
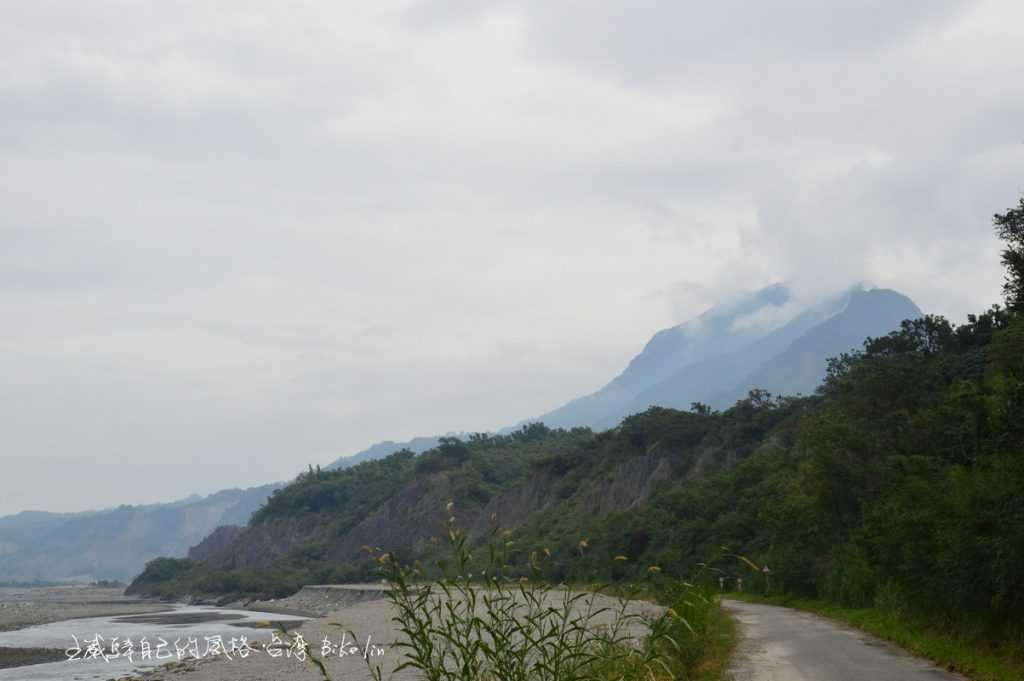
(240, 237)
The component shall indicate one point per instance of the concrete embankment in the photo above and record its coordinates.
(321, 599)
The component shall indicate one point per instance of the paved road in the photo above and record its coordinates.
(780, 644)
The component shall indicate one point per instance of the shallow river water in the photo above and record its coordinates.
(180, 624)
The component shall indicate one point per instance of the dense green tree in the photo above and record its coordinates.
(1010, 228)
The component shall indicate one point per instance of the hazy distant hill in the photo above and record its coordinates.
(115, 543)
(757, 340)
(383, 449)
(800, 368)
(789, 360)
(717, 331)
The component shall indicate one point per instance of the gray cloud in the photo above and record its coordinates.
(650, 39)
(237, 239)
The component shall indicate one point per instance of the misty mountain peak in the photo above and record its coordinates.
(727, 349)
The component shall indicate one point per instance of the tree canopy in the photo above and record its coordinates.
(1010, 228)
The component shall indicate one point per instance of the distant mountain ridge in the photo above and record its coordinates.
(116, 543)
(760, 340)
(669, 350)
(800, 368)
(383, 449)
(789, 360)
(719, 356)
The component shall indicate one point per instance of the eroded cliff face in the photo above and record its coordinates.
(217, 541)
(406, 521)
(409, 520)
(628, 485)
(514, 506)
(259, 545)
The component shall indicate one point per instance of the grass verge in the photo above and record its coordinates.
(974, 659)
(721, 640)
(704, 647)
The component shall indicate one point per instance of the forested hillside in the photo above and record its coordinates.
(898, 483)
(901, 480)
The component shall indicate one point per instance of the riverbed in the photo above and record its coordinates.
(26, 606)
(353, 632)
(182, 633)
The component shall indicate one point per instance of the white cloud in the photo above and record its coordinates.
(265, 235)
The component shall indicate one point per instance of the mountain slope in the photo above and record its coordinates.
(714, 358)
(789, 360)
(317, 528)
(715, 332)
(801, 367)
(699, 381)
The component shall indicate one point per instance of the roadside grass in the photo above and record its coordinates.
(479, 621)
(446, 641)
(705, 651)
(720, 643)
(954, 650)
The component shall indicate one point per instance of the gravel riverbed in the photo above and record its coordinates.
(25, 607)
